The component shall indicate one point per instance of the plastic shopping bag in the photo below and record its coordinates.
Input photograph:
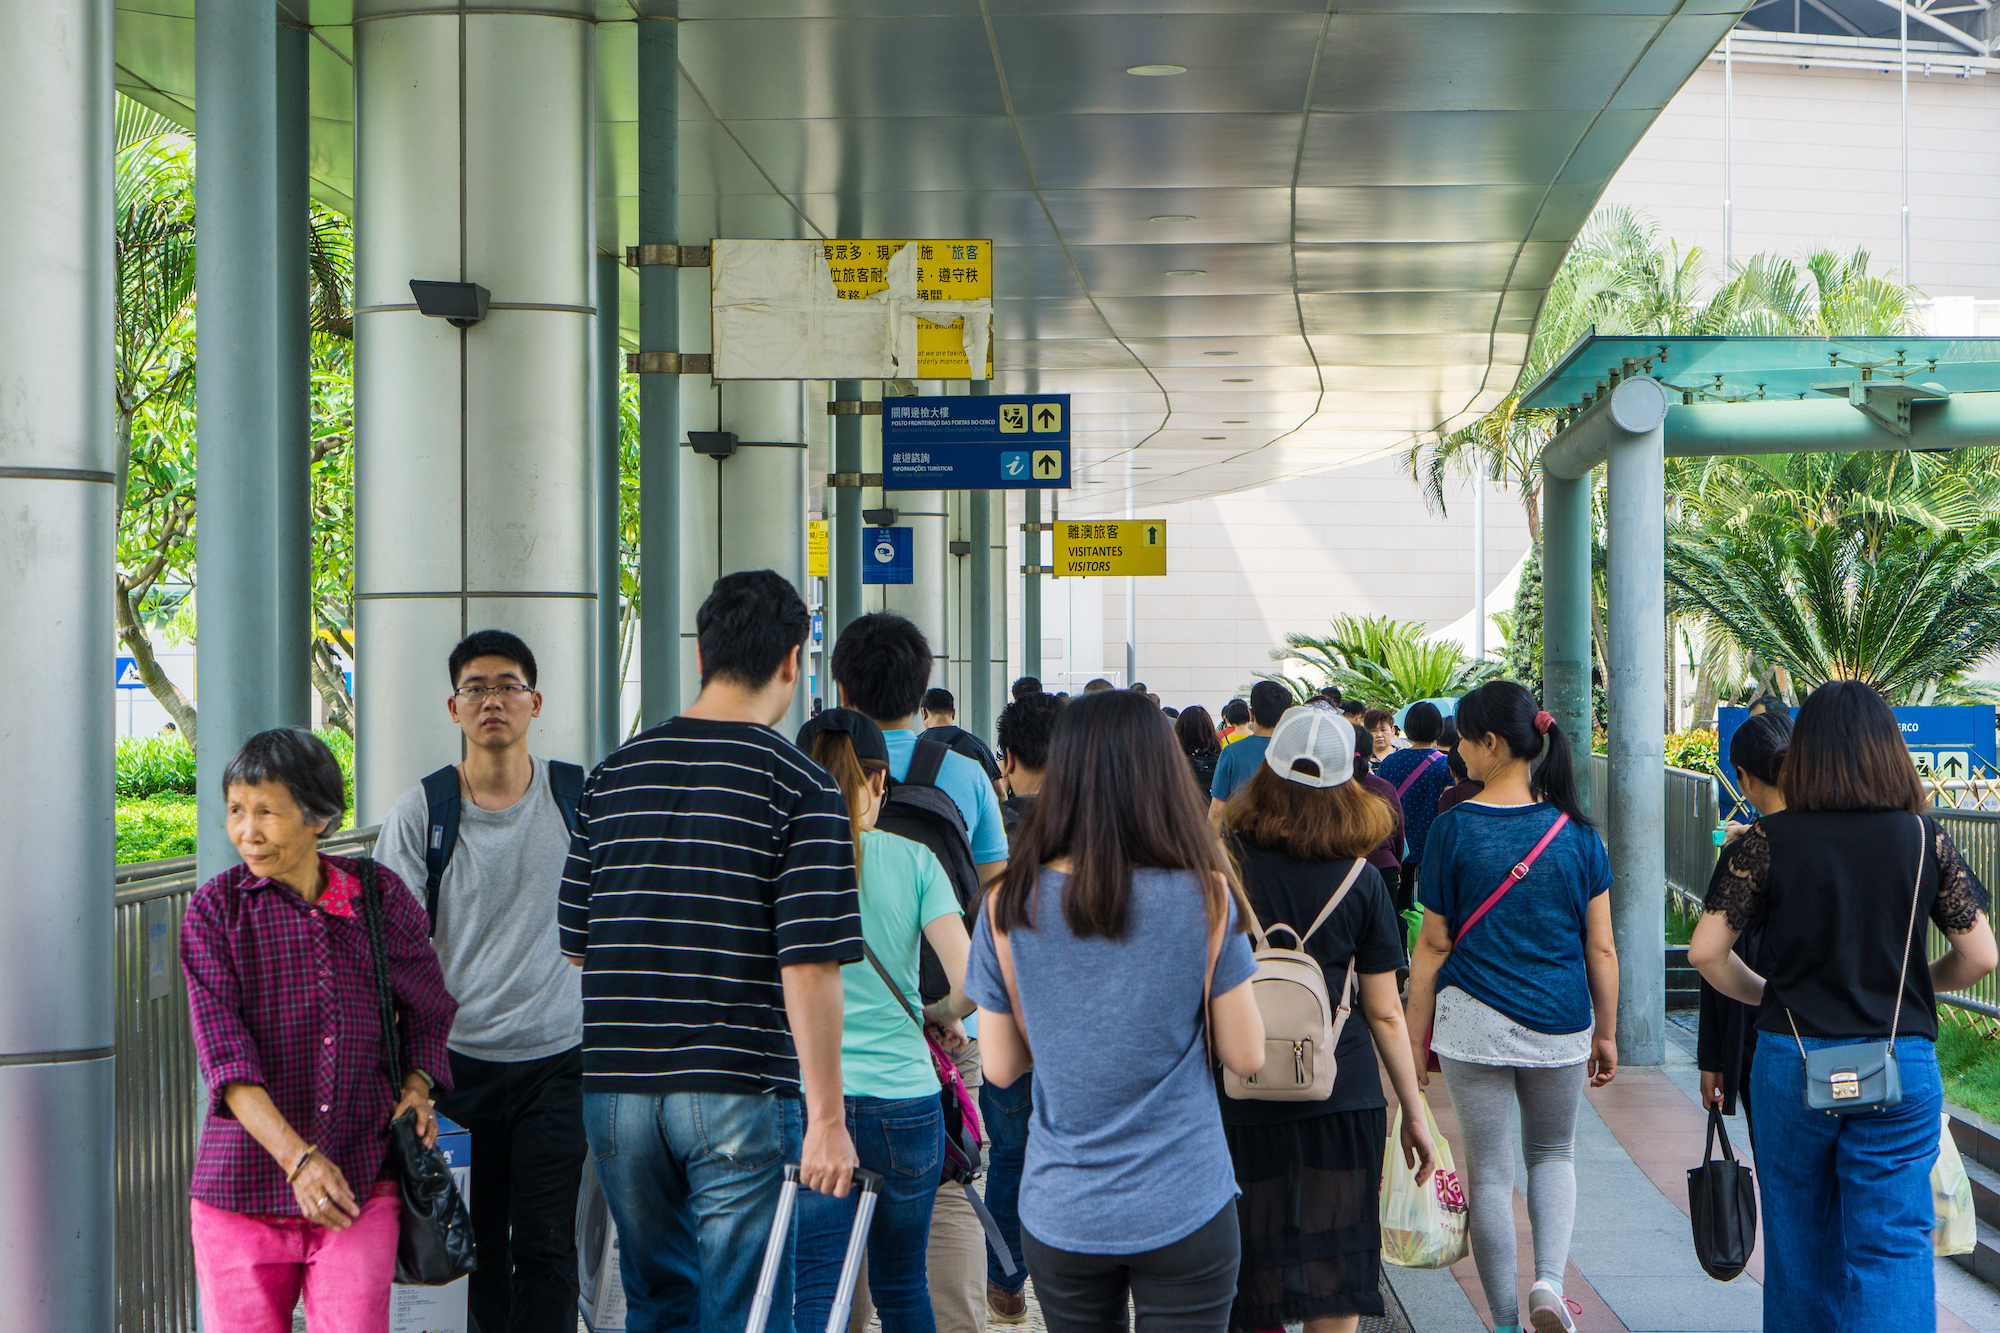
(1957, 1230)
(1422, 1226)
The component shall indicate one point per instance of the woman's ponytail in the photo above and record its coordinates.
(1504, 708)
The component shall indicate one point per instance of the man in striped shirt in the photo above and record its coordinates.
(710, 900)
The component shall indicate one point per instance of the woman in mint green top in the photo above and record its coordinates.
(893, 1112)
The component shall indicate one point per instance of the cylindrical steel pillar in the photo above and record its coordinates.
(57, 511)
(663, 688)
(604, 466)
(1566, 596)
(1031, 585)
(251, 537)
(746, 511)
(847, 505)
(473, 478)
(922, 600)
(976, 715)
(1637, 612)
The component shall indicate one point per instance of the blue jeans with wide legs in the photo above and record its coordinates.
(1846, 1199)
(1005, 1113)
(904, 1141)
(691, 1179)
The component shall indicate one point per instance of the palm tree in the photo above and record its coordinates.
(1388, 662)
(1908, 610)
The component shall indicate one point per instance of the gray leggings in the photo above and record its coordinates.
(1483, 1096)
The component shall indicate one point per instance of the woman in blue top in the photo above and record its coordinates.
(1095, 950)
(1517, 989)
(893, 1113)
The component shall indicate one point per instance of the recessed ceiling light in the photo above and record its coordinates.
(1244, 422)
(1156, 71)
(1142, 469)
(1218, 353)
(1187, 272)
(1173, 217)
(1239, 381)
(1215, 437)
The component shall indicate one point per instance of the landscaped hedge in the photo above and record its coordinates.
(160, 765)
(156, 793)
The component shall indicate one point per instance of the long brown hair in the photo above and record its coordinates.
(1118, 795)
(1847, 753)
(1308, 823)
(1195, 730)
(834, 752)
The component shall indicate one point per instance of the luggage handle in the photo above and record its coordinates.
(870, 1185)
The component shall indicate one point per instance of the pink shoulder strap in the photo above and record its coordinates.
(1416, 773)
(1511, 878)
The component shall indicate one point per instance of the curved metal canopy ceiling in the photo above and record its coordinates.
(1328, 237)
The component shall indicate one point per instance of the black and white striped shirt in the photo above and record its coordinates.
(707, 856)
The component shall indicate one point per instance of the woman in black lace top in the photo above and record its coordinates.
(1830, 880)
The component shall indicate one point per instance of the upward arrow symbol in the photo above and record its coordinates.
(1048, 464)
(1152, 536)
(1046, 416)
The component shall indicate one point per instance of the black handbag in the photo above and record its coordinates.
(1864, 1076)
(1722, 1204)
(434, 1243)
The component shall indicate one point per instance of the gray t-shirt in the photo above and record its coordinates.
(518, 997)
(1125, 1151)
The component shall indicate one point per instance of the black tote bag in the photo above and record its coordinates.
(434, 1243)
(1722, 1203)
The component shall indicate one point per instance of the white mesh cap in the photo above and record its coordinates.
(1317, 734)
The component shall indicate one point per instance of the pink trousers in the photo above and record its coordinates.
(252, 1270)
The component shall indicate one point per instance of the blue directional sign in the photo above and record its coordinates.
(887, 556)
(976, 444)
(1946, 741)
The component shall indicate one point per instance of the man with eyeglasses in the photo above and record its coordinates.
(486, 839)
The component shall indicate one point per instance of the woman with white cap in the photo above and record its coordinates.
(1514, 986)
(1301, 830)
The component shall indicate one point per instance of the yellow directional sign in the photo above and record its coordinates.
(1110, 548)
(816, 566)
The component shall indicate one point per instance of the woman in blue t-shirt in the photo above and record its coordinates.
(1515, 981)
(1095, 951)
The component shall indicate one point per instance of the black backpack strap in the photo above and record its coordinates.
(441, 796)
(926, 761)
(566, 786)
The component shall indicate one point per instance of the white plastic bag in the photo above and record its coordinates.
(1957, 1230)
(1422, 1227)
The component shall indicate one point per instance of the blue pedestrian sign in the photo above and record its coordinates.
(126, 672)
(976, 444)
(887, 556)
(1948, 742)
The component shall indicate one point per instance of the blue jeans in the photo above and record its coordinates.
(904, 1140)
(1846, 1199)
(691, 1179)
(1005, 1113)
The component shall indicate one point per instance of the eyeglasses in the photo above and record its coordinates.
(480, 693)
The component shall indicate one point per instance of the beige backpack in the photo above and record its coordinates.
(1302, 1025)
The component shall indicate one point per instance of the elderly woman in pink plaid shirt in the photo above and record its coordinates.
(289, 1191)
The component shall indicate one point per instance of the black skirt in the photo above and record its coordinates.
(1312, 1239)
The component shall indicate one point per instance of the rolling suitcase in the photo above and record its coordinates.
(870, 1185)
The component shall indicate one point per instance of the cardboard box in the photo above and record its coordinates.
(439, 1309)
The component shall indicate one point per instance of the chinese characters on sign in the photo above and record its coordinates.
(1111, 549)
(946, 270)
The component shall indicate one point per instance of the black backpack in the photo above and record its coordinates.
(441, 794)
(918, 809)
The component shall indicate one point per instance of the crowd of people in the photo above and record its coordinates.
(1019, 985)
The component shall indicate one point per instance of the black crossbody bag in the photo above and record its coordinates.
(434, 1242)
(1864, 1076)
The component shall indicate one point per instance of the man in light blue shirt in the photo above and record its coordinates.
(882, 664)
(1268, 702)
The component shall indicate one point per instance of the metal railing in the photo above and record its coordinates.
(1964, 808)
(159, 1094)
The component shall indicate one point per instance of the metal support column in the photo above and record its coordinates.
(661, 689)
(1031, 586)
(1566, 595)
(977, 710)
(57, 493)
(250, 470)
(605, 467)
(474, 472)
(847, 504)
(1627, 427)
(291, 370)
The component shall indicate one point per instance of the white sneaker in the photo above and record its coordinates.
(1549, 1310)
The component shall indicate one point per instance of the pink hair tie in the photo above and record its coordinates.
(1543, 721)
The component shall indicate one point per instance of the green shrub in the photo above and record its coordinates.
(154, 829)
(154, 766)
(1692, 749)
(1970, 1063)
